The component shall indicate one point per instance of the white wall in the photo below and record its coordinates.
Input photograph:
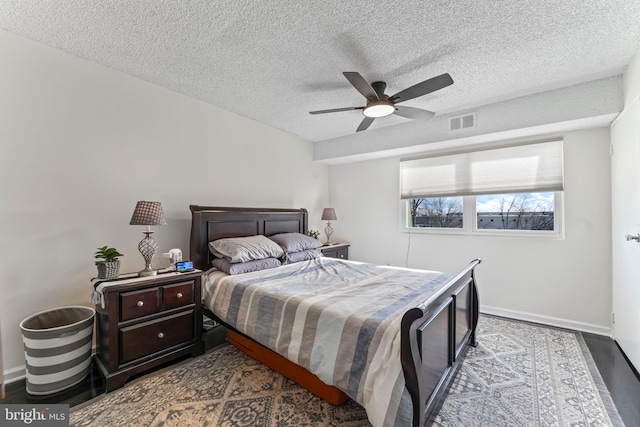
(82, 143)
(631, 80)
(566, 282)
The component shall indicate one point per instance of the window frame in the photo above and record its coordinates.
(470, 224)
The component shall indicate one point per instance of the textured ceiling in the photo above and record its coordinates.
(274, 61)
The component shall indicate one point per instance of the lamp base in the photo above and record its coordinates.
(147, 272)
(147, 248)
(328, 231)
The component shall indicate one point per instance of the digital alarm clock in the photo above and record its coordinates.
(184, 266)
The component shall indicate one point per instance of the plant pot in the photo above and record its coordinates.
(108, 269)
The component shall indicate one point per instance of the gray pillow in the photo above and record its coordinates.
(302, 256)
(295, 242)
(243, 249)
(245, 267)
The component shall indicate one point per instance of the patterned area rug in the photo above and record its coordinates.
(523, 374)
(519, 375)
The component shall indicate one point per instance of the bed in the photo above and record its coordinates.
(432, 334)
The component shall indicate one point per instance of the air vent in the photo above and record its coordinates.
(467, 121)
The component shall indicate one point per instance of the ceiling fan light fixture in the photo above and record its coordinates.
(381, 105)
(376, 109)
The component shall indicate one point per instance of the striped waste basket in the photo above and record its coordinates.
(57, 345)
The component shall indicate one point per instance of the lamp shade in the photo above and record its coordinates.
(148, 213)
(329, 214)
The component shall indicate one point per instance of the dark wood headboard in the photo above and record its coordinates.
(211, 223)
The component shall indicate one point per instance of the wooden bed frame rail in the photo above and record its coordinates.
(435, 336)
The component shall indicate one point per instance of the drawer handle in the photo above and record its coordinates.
(140, 303)
(160, 335)
(179, 295)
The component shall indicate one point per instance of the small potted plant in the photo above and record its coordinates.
(109, 266)
(313, 233)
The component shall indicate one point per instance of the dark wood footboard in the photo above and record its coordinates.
(435, 338)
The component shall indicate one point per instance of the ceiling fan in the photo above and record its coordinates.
(381, 105)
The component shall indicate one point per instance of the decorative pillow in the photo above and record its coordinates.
(245, 267)
(302, 256)
(295, 242)
(243, 249)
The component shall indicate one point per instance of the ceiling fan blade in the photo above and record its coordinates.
(361, 85)
(413, 113)
(365, 123)
(335, 110)
(422, 88)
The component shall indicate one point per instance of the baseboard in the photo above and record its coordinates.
(15, 374)
(548, 320)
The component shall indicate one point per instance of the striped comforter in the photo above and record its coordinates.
(338, 319)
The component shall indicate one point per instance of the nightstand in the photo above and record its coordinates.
(146, 323)
(337, 250)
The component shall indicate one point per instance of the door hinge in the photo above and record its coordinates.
(611, 150)
(613, 318)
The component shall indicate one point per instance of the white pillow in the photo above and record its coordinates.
(243, 249)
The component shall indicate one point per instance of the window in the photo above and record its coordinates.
(506, 190)
(523, 211)
(437, 212)
(535, 212)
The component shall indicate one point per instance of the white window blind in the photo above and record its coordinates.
(520, 169)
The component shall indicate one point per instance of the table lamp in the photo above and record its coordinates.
(148, 213)
(328, 214)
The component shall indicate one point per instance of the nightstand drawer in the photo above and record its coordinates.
(150, 337)
(139, 303)
(336, 251)
(178, 295)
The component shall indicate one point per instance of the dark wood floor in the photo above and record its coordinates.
(621, 380)
(93, 385)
